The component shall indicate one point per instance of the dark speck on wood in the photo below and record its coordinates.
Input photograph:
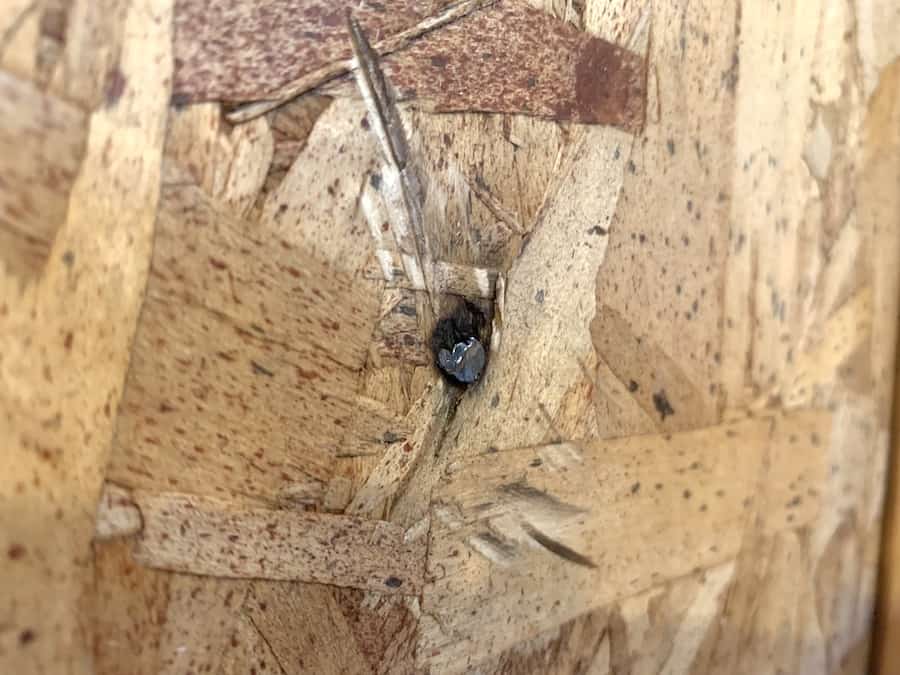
(663, 407)
(261, 370)
(558, 548)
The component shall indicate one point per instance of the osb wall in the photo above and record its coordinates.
(225, 447)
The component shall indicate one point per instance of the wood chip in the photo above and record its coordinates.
(386, 481)
(251, 343)
(117, 515)
(199, 535)
(508, 58)
(239, 51)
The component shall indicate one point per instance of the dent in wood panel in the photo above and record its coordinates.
(487, 178)
(547, 308)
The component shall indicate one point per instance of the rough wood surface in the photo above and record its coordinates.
(212, 537)
(507, 57)
(386, 482)
(530, 538)
(117, 514)
(268, 46)
(77, 318)
(243, 370)
(730, 264)
(511, 58)
(320, 645)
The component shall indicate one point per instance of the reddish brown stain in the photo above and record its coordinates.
(608, 86)
(506, 58)
(306, 374)
(67, 342)
(279, 43)
(16, 552)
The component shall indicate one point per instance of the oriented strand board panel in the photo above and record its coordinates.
(675, 462)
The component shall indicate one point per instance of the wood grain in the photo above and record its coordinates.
(385, 485)
(41, 145)
(545, 534)
(882, 168)
(507, 57)
(212, 537)
(130, 609)
(257, 313)
(78, 318)
(511, 58)
(268, 46)
(727, 264)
